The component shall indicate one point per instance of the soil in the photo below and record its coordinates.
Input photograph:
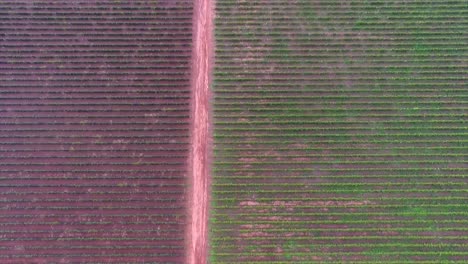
(197, 231)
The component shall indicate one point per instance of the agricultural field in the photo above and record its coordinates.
(94, 128)
(340, 132)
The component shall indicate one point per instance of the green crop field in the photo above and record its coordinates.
(340, 132)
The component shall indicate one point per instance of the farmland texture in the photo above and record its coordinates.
(94, 119)
(340, 132)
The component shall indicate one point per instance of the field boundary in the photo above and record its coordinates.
(198, 198)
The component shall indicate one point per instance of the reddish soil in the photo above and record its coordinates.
(197, 232)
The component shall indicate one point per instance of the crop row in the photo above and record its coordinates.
(322, 105)
(353, 177)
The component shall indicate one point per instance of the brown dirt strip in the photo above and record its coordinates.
(197, 231)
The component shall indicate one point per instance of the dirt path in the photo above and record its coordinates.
(197, 232)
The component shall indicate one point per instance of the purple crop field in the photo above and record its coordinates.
(94, 119)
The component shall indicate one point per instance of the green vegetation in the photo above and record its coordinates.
(340, 132)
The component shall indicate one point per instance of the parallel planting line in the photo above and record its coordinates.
(94, 130)
(339, 132)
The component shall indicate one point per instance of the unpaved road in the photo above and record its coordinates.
(197, 231)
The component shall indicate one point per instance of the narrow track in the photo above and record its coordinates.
(199, 159)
